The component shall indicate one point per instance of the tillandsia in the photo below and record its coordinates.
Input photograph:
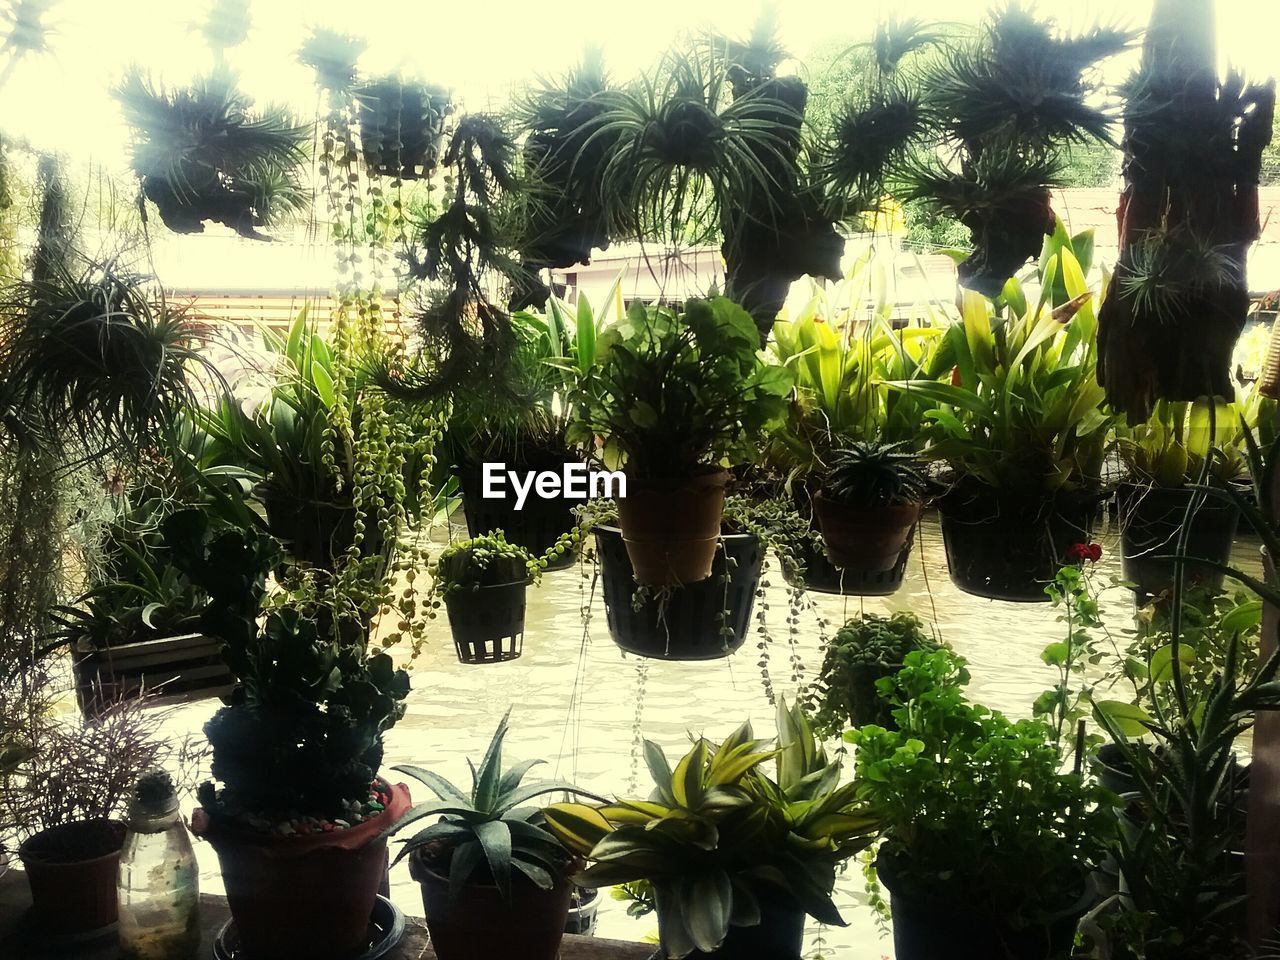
(1005, 105)
(1193, 144)
(875, 474)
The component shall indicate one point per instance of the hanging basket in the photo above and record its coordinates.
(1150, 523)
(488, 622)
(686, 625)
(1008, 547)
(821, 576)
(402, 128)
(537, 527)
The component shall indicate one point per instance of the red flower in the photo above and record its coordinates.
(1091, 552)
(956, 380)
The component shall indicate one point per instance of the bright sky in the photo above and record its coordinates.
(62, 101)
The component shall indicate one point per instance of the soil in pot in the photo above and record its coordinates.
(932, 927)
(481, 925)
(72, 872)
(488, 622)
(304, 895)
(1151, 520)
(672, 527)
(536, 526)
(865, 539)
(684, 623)
(1008, 547)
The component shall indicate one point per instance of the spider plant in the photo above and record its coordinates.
(203, 153)
(88, 354)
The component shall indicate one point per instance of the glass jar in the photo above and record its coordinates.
(159, 885)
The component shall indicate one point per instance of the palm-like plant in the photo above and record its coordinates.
(875, 474)
(203, 153)
(717, 834)
(1006, 105)
(489, 830)
(89, 355)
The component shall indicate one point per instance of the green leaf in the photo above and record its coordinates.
(1129, 718)
(1161, 669)
(495, 840)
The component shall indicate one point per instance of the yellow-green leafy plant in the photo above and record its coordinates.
(718, 836)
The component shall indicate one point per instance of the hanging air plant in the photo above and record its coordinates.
(1189, 211)
(564, 159)
(203, 153)
(1006, 106)
(89, 356)
(402, 127)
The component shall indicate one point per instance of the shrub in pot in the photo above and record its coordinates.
(483, 581)
(64, 785)
(842, 362)
(495, 882)
(1022, 427)
(865, 650)
(987, 845)
(521, 422)
(673, 396)
(734, 858)
(1180, 446)
(295, 811)
(868, 505)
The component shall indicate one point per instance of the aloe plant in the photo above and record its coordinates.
(717, 833)
(489, 829)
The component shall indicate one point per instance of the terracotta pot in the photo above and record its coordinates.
(865, 538)
(304, 896)
(671, 527)
(481, 925)
(72, 872)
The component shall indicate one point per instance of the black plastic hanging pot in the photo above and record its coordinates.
(685, 624)
(1151, 520)
(1007, 546)
(488, 622)
(933, 927)
(822, 576)
(536, 527)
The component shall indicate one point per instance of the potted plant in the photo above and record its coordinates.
(63, 793)
(402, 127)
(1161, 512)
(483, 581)
(842, 362)
(987, 845)
(1022, 427)
(522, 423)
(204, 153)
(495, 880)
(864, 651)
(673, 396)
(296, 811)
(868, 505)
(735, 858)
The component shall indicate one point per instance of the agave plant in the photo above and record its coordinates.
(489, 830)
(717, 834)
(203, 153)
